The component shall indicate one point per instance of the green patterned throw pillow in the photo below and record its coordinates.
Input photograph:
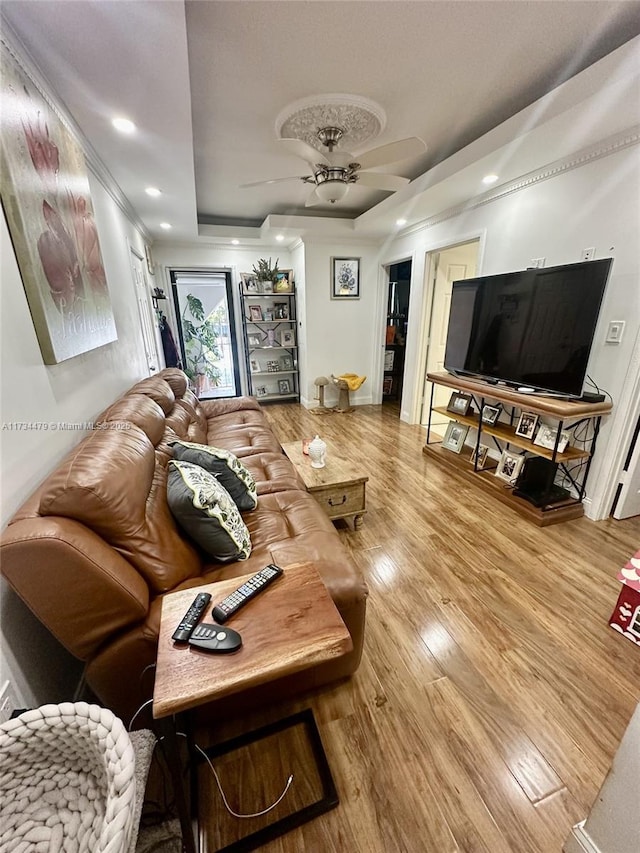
(226, 467)
(206, 512)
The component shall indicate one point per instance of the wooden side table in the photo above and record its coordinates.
(290, 626)
(339, 487)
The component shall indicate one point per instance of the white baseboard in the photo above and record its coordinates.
(580, 841)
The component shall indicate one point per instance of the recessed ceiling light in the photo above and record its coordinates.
(123, 125)
(235, 242)
(165, 225)
(279, 237)
(154, 192)
(489, 179)
(401, 221)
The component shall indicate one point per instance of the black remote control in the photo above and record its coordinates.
(249, 589)
(191, 618)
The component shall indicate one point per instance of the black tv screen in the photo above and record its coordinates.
(532, 328)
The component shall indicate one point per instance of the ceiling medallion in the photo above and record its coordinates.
(360, 119)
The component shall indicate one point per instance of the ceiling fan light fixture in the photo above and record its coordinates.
(332, 191)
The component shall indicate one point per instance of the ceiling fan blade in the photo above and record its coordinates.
(391, 153)
(275, 181)
(381, 182)
(313, 199)
(306, 151)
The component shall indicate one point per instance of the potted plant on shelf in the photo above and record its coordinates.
(266, 274)
(200, 343)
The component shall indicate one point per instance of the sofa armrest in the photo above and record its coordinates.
(213, 408)
(76, 585)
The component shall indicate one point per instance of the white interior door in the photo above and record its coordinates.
(449, 265)
(145, 311)
(628, 503)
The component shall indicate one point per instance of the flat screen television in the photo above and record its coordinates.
(532, 328)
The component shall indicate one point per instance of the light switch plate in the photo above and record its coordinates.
(614, 331)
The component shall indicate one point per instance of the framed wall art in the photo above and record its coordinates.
(345, 278)
(47, 202)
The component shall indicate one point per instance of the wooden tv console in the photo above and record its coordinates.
(563, 414)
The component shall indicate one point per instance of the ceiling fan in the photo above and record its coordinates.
(335, 171)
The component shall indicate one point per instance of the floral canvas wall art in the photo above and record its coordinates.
(47, 203)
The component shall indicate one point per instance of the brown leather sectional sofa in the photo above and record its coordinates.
(95, 548)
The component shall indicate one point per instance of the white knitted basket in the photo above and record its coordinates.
(67, 781)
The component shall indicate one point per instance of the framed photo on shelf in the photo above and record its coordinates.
(288, 338)
(387, 385)
(389, 358)
(261, 391)
(255, 313)
(254, 340)
(286, 362)
(255, 367)
(250, 283)
(284, 386)
(459, 403)
(281, 310)
(454, 436)
(283, 282)
(509, 466)
(273, 366)
(268, 315)
(490, 414)
(345, 278)
(546, 438)
(480, 457)
(527, 424)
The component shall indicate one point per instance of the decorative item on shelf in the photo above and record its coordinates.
(317, 452)
(261, 391)
(250, 283)
(271, 338)
(268, 315)
(283, 282)
(345, 278)
(509, 466)
(454, 436)
(391, 335)
(266, 274)
(273, 366)
(321, 383)
(490, 414)
(546, 438)
(254, 340)
(346, 382)
(459, 403)
(286, 362)
(288, 337)
(255, 313)
(527, 424)
(387, 385)
(280, 311)
(479, 459)
(389, 358)
(255, 367)
(284, 386)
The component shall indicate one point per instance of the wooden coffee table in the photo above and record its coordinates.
(339, 487)
(292, 625)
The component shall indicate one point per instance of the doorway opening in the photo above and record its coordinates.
(203, 303)
(396, 332)
(442, 268)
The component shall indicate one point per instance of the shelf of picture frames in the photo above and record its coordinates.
(506, 432)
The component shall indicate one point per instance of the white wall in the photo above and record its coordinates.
(74, 391)
(596, 204)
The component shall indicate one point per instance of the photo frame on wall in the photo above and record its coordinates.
(345, 278)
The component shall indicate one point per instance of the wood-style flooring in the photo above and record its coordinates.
(492, 694)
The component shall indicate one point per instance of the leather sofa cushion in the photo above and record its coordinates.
(137, 409)
(245, 440)
(158, 390)
(116, 484)
(273, 472)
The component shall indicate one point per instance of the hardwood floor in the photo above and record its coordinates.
(492, 694)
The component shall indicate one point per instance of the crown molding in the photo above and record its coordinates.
(12, 42)
(584, 156)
